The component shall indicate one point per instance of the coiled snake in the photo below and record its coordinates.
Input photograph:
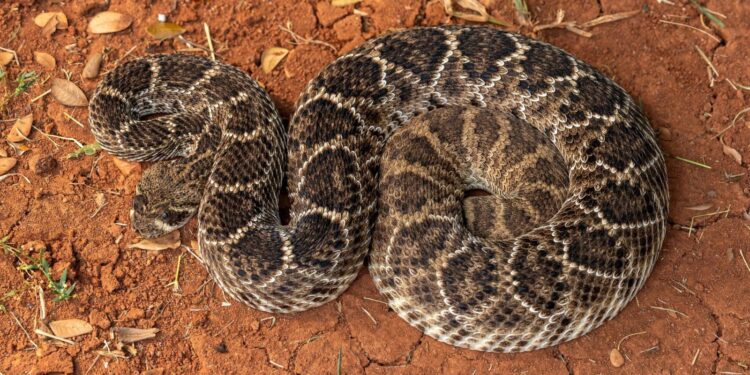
(383, 145)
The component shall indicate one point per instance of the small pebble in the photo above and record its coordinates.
(615, 358)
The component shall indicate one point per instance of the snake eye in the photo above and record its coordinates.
(139, 203)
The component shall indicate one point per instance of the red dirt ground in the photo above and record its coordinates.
(701, 277)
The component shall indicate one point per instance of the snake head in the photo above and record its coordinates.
(164, 201)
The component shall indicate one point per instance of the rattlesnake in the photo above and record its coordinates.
(569, 233)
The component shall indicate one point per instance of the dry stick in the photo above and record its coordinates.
(735, 85)
(24, 329)
(41, 95)
(692, 219)
(375, 322)
(574, 27)
(694, 28)
(15, 55)
(42, 304)
(669, 310)
(740, 113)
(92, 364)
(693, 162)
(744, 260)
(695, 357)
(49, 335)
(296, 38)
(77, 142)
(271, 318)
(210, 43)
(3, 177)
(66, 114)
(627, 337)
(375, 300)
(708, 62)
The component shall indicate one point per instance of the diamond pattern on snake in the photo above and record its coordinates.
(379, 154)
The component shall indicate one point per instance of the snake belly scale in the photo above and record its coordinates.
(383, 145)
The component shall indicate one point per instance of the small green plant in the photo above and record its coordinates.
(521, 7)
(7, 248)
(25, 80)
(87, 150)
(2, 75)
(708, 13)
(59, 288)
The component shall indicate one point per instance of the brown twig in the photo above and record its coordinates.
(717, 40)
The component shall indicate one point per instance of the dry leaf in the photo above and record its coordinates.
(729, 151)
(3, 153)
(7, 164)
(22, 126)
(343, 3)
(91, 70)
(481, 14)
(615, 358)
(68, 93)
(50, 27)
(45, 59)
(109, 22)
(125, 167)
(5, 58)
(70, 328)
(167, 241)
(128, 335)
(272, 57)
(165, 30)
(42, 19)
(100, 199)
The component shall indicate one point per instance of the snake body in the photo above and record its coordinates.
(379, 154)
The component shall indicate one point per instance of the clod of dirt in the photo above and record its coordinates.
(21, 129)
(109, 22)
(348, 28)
(125, 167)
(93, 64)
(99, 319)
(57, 362)
(665, 134)
(42, 165)
(133, 314)
(70, 328)
(67, 93)
(615, 358)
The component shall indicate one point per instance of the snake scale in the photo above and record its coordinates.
(379, 156)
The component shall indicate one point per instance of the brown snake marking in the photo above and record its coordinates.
(569, 234)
